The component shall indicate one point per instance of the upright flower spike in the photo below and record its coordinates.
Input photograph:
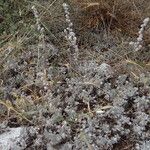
(41, 38)
(138, 44)
(70, 35)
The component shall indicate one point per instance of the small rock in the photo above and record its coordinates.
(8, 140)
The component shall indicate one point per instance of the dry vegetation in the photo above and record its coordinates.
(40, 87)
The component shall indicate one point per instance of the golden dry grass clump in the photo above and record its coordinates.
(113, 15)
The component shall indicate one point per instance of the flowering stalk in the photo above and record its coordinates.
(41, 44)
(138, 44)
(70, 35)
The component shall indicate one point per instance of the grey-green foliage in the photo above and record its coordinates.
(68, 122)
(104, 130)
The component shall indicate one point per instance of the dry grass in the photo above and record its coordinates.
(119, 18)
(30, 96)
(114, 15)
